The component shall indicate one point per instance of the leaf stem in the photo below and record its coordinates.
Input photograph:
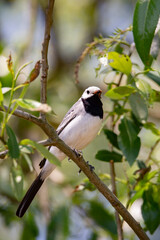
(16, 105)
(14, 80)
(152, 150)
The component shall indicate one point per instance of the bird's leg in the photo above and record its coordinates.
(69, 160)
(79, 154)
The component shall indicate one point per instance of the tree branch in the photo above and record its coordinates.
(45, 45)
(21, 114)
(152, 150)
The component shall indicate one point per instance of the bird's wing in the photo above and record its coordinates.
(74, 111)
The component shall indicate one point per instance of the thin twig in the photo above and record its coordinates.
(89, 48)
(45, 45)
(152, 150)
(114, 190)
(113, 176)
(47, 142)
(3, 154)
(82, 56)
(21, 114)
(129, 190)
(120, 79)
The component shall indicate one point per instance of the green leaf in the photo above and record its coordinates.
(120, 110)
(7, 212)
(112, 137)
(12, 143)
(143, 86)
(145, 20)
(33, 105)
(150, 175)
(154, 77)
(150, 211)
(142, 186)
(58, 227)
(87, 185)
(137, 195)
(120, 92)
(146, 90)
(1, 94)
(6, 89)
(1, 116)
(94, 236)
(17, 181)
(44, 152)
(102, 217)
(141, 164)
(152, 127)
(139, 107)
(120, 62)
(20, 70)
(30, 229)
(28, 161)
(118, 48)
(157, 96)
(26, 149)
(128, 141)
(106, 156)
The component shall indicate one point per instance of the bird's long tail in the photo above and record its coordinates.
(29, 196)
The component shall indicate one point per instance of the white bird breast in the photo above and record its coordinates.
(81, 131)
(77, 134)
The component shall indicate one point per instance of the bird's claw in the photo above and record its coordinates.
(92, 168)
(79, 171)
(78, 152)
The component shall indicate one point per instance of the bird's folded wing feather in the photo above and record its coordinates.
(76, 109)
(70, 115)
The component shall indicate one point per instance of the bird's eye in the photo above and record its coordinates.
(87, 91)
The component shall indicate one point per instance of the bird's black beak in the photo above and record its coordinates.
(98, 93)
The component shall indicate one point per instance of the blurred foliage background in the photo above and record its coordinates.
(59, 212)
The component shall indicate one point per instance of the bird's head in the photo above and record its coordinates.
(91, 91)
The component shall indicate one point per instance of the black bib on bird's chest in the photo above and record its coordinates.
(93, 105)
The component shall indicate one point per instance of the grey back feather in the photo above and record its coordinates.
(74, 111)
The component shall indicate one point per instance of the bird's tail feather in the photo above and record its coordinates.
(30, 194)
